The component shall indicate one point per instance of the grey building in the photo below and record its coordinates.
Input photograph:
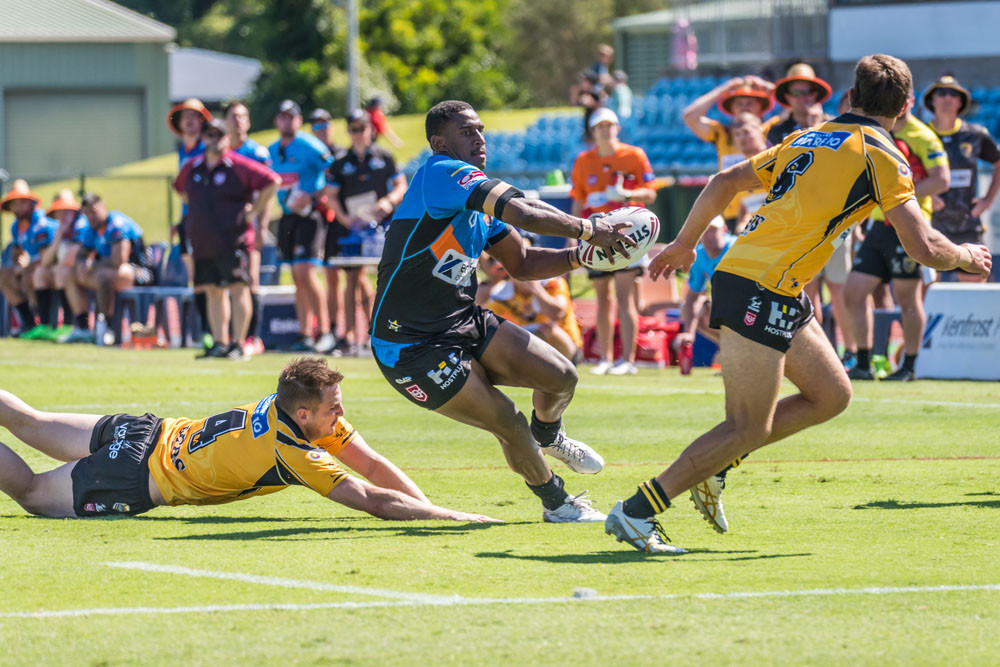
(83, 86)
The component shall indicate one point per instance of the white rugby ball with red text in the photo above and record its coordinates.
(644, 228)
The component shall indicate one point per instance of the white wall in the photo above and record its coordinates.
(924, 30)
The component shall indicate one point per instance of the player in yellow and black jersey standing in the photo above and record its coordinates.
(821, 182)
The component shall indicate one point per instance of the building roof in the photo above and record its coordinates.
(77, 21)
(716, 10)
(211, 76)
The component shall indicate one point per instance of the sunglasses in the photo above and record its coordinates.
(947, 92)
(357, 129)
(802, 92)
(320, 126)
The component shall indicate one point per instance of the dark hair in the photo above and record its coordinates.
(303, 381)
(358, 115)
(232, 104)
(882, 85)
(441, 113)
(90, 199)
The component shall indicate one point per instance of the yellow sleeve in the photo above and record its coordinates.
(763, 165)
(930, 150)
(715, 130)
(308, 466)
(891, 179)
(343, 434)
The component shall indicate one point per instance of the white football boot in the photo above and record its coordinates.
(642, 534)
(576, 509)
(580, 458)
(707, 497)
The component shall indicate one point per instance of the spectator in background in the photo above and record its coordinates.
(748, 137)
(620, 100)
(225, 192)
(882, 259)
(61, 257)
(957, 212)
(30, 233)
(742, 94)
(601, 69)
(114, 259)
(589, 94)
(364, 188)
(607, 177)
(696, 307)
(380, 124)
(301, 160)
(802, 94)
(319, 121)
(237, 116)
(185, 120)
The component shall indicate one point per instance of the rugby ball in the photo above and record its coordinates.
(644, 229)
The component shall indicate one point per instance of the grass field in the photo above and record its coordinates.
(869, 540)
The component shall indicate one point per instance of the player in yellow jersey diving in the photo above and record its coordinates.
(126, 465)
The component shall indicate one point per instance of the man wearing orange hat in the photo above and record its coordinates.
(31, 233)
(60, 261)
(957, 212)
(738, 95)
(802, 94)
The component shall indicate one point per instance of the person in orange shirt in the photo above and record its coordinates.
(126, 465)
(607, 177)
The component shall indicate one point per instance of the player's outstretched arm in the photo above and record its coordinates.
(394, 505)
(377, 469)
(930, 247)
(536, 216)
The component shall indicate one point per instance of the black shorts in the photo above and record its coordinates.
(334, 232)
(182, 238)
(224, 270)
(595, 273)
(757, 313)
(432, 372)
(114, 479)
(882, 255)
(300, 238)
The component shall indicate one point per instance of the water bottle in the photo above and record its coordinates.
(686, 357)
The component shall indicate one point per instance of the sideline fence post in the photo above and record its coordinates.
(83, 184)
(170, 204)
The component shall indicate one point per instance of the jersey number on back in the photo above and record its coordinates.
(216, 425)
(786, 179)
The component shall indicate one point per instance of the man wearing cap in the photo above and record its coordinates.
(219, 188)
(301, 160)
(364, 187)
(319, 122)
(609, 176)
(31, 232)
(237, 117)
(802, 94)
(60, 258)
(738, 95)
(957, 212)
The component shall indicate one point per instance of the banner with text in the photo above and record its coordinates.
(962, 335)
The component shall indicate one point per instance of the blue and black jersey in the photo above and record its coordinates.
(255, 151)
(301, 164)
(427, 276)
(34, 238)
(118, 227)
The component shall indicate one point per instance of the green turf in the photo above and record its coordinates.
(900, 491)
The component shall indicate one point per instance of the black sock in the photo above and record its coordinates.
(735, 464)
(82, 320)
(908, 361)
(26, 314)
(252, 330)
(201, 303)
(67, 310)
(864, 359)
(544, 432)
(44, 297)
(648, 501)
(551, 493)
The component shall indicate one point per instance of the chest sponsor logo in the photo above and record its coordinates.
(966, 149)
(258, 420)
(817, 139)
(379, 163)
(455, 268)
(348, 169)
(219, 178)
(961, 178)
(417, 393)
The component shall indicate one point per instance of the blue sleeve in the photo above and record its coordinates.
(88, 239)
(448, 185)
(262, 155)
(496, 231)
(697, 278)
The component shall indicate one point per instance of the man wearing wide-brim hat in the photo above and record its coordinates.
(742, 94)
(802, 94)
(61, 257)
(31, 233)
(957, 211)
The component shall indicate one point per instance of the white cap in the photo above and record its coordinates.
(603, 115)
(718, 222)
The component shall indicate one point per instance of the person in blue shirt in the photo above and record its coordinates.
(237, 116)
(30, 233)
(60, 260)
(113, 257)
(696, 307)
(442, 351)
(301, 160)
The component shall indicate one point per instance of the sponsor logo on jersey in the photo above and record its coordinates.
(89, 507)
(417, 393)
(781, 321)
(444, 375)
(315, 455)
(219, 178)
(404, 380)
(455, 268)
(470, 179)
(818, 139)
(121, 507)
(258, 421)
(393, 325)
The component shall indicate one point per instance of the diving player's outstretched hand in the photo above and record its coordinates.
(608, 235)
(475, 518)
(674, 256)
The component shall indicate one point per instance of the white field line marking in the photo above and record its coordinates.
(199, 404)
(282, 582)
(459, 601)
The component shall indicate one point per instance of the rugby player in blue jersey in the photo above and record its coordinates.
(443, 352)
(30, 233)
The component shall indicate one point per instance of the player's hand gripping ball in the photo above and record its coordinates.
(644, 228)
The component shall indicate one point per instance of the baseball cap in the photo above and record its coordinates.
(216, 124)
(319, 116)
(289, 107)
(357, 116)
(603, 115)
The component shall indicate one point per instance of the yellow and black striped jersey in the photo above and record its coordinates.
(820, 181)
(250, 450)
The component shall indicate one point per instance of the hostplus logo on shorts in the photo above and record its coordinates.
(444, 375)
(782, 319)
